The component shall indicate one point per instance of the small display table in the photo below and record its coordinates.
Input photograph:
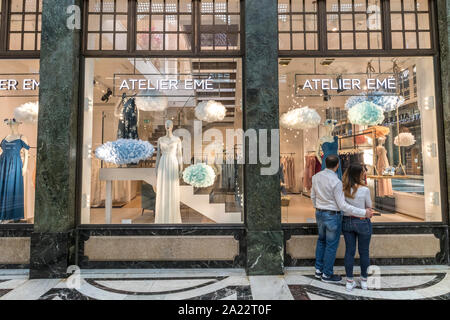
(123, 174)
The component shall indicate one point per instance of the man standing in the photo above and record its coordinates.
(328, 199)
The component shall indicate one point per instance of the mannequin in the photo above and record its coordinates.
(169, 165)
(12, 170)
(329, 145)
(384, 185)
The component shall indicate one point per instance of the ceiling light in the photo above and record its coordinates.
(284, 62)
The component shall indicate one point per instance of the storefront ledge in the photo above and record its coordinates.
(15, 250)
(382, 246)
(161, 248)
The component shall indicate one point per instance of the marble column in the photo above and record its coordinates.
(263, 219)
(443, 12)
(52, 242)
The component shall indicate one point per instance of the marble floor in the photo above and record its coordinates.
(390, 282)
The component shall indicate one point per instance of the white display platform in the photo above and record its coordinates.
(123, 174)
(200, 203)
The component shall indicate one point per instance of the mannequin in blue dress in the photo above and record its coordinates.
(329, 145)
(12, 171)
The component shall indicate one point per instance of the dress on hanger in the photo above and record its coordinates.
(384, 185)
(331, 148)
(128, 121)
(11, 180)
(167, 207)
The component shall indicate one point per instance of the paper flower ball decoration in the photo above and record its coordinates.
(300, 118)
(27, 112)
(386, 101)
(366, 114)
(210, 111)
(404, 139)
(199, 175)
(125, 151)
(149, 101)
(354, 100)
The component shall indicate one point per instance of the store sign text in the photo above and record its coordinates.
(350, 84)
(14, 85)
(167, 84)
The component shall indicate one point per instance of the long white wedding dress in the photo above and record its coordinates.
(167, 209)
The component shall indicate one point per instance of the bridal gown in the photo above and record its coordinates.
(167, 209)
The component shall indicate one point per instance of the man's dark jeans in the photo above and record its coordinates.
(330, 225)
(355, 229)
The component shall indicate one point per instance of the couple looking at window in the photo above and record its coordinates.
(342, 207)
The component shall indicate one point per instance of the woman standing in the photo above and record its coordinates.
(356, 229)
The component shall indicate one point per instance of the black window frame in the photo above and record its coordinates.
(386, 50)
(4, 36)
(131, 51)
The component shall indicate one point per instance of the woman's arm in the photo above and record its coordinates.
(368, 199)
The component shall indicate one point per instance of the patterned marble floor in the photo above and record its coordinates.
(393, 282)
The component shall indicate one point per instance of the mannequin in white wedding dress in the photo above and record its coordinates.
(169, 164)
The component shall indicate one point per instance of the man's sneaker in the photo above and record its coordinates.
(333, 279)
(364, 284)
(318, 274)
(350, 285)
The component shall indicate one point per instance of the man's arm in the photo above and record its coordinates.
(313, 194)
(343, 205)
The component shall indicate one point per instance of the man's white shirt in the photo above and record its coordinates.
(327, 194)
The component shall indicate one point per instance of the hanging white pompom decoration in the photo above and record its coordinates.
(210, 111)
(366, 114)
(404, 139)
(27, 112)
(152, 103)
(300, 119)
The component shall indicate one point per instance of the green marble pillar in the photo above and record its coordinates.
(263, 219)
(52, 240)
(443, 11)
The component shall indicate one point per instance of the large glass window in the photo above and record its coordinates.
(164, 25)
(382, 114)
(19, 96)
(107, 25)
(220, 25)
(162, 141)
(156, 26)
(354, 24)
(298, 25)
(410, 23)
(344, 25)
(24, 30)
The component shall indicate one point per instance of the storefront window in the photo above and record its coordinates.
(164, 25)
(107, 25)
(344, 25)
(220, 25)
(19, 96)
(354, 24)
(162, 141)
(25, 25)
(410, 22)
(381, 113)
(298, 25)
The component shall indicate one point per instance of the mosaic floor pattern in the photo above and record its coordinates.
(393, 282)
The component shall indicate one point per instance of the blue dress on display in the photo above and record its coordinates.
(128, 122)
(331, 148)
(11, 180)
